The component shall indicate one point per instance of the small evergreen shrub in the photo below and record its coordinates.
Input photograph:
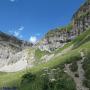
(27, 78)
(74, 67)
(76, 75)
(86, 83)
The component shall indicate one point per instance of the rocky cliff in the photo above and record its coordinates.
(58, 37)
(11, 48)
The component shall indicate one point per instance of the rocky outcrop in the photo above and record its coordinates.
(58, 37)
(19, 61)
(81, 19)
(11, 48)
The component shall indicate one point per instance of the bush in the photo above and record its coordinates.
(74, 66)
(76, 75)
(27, 78)
(86, 83)
(63, 82)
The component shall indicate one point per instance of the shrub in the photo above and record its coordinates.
(74, 67)
(27, 78)
(76, 75)
(86, 83)
(62, 82)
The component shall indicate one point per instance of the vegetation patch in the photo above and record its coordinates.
(81, 39)
(74, 67)
(86, 67)
(39, 53)
(27, 78)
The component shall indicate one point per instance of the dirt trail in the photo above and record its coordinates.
(80, 72)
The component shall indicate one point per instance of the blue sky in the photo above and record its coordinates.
(31, 19)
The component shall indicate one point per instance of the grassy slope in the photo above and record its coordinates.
(84, 37)
(13, 79)
(39, 53)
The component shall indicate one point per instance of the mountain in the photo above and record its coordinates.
(59, 36)
(11, 49)
(14, 41)
(59, 61)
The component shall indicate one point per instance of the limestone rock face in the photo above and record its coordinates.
(7, 50)
(18, 61)
(12, 50)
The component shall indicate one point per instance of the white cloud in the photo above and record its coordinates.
(33, 39)
(21, 28)
(16, 33)
(12, 0)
